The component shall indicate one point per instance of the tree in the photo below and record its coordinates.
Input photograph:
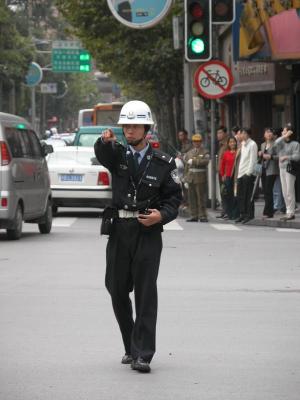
(16, 53)
(142, 61)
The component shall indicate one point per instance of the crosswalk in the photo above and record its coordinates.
(63, 222)
(178, 225)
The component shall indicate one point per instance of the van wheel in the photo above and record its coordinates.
(16, 232)
(54, 210)
(46, 226)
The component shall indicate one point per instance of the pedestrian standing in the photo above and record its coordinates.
(222, 138)
(279, 204)
(146, 194)
(235, 131)
(270, 169)
(288, 150)
(195, 176)
(185, 144)
(245, 175)
(227, 173)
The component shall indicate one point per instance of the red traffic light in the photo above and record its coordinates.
(196, 10)
(221, 9)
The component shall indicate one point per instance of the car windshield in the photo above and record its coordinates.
(87, 139)
(72, 157)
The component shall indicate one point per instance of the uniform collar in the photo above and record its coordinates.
(142, 152)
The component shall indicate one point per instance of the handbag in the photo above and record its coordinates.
(223, 190)
(293, 167)
(258, 169)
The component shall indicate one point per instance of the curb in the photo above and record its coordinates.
(271, 223)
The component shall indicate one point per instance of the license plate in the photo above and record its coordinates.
(70, 178)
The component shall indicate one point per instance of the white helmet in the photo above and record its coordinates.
(135, 112)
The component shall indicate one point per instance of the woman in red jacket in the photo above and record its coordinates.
(227, 173)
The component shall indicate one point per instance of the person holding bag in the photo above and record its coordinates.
(270, 171)
(288, 150)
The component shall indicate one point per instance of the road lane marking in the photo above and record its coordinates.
(225, 227)
(287, 230)
(63, 222)
(173, 226)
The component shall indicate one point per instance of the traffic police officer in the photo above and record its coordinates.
(196, 161)
(146, 194)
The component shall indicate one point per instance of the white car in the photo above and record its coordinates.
(77, 179)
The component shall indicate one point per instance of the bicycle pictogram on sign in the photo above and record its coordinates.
(213, 79)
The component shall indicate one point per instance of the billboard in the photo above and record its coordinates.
(267, 30)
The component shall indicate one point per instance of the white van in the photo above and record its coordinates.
(85, 117)
(25, 193)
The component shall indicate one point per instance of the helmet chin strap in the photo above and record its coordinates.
(137, 142)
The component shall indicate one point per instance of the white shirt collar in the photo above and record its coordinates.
(142, 152)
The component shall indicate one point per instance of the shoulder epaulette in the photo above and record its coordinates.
(162, 156)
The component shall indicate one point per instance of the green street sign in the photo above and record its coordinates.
(71, 60)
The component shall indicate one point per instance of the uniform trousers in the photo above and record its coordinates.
(197, 199)
(133, 257)
(288, 189)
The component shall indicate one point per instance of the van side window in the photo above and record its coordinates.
(35, 145)
(14, 142)
(25, 143)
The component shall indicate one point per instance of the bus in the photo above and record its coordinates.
(107, 113)
(85, 117)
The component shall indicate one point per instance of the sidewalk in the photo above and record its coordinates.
(258, 221)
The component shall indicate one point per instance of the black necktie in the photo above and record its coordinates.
(136, 158)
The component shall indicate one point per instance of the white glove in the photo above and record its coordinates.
(186, 185)
(190, 161)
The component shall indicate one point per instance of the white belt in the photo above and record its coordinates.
(197, 170)
(128, 214)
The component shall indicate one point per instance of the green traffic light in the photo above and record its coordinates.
(85, 68)
(197, 45)
(21, 126)
(84, 57)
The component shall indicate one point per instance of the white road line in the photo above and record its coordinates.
(287, 230)
(63, 222)
(173, 226)
(225, 227)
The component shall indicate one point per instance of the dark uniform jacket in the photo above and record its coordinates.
(196, 173)
(154, 185)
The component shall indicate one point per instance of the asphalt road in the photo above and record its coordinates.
(228, 324)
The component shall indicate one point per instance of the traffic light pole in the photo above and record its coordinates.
(188, 101)
(213, 169)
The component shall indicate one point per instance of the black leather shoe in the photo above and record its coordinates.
(127, 359)
(287, 218)
(192, 220)
(140, 365)
(240, 219)
(203, 219)
(246, 220)
(220, 216)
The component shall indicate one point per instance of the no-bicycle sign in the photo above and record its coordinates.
(213, 79)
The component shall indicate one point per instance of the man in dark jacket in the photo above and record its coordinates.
(146, 194)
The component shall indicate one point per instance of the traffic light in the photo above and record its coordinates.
(197, 30)
(223, 11)
(84, 61)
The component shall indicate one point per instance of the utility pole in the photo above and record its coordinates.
(188, 101)
(33, 98)
(213, 133)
